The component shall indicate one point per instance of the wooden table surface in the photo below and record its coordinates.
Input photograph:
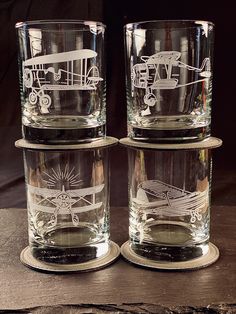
(121, 287)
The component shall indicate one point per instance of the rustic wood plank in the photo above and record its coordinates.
(126, 308)
(120, 285)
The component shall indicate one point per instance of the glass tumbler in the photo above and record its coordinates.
(169, 80)
(62, 80)
(67, 200)
(169, 199)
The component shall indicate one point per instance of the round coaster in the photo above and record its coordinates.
(203, 261)
(28, 260)
(100, 143)
(209, 143)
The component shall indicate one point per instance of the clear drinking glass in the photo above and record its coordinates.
(169, 80)
(169, 202)
(68, 200)
(62, 80)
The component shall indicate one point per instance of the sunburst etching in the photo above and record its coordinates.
(62, 176)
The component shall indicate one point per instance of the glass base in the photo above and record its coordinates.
(169, 136)
(67, 136)
(28, 260)
(69, 246)
(194, 264)
(173, 243)
(169, 253)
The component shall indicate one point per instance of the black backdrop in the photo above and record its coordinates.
(115, 14)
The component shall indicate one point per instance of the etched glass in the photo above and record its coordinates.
(68, 204)
(62, 80)
(169, 202)
(169, 80)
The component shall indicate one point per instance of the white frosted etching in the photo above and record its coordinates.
(206, 27)
(63, 201)
(69, 71)
(170, 200)
(156, 73)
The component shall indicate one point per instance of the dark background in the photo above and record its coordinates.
(115, 14)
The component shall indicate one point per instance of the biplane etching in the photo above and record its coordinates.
(158, 72)
(63, 201)
(168, 200)
(62, 67)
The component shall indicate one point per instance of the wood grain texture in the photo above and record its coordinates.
(120, 287)
(140, 308)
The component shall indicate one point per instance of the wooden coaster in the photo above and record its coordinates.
(28, 260)
(196, 263)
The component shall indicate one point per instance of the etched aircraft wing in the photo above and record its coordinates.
(85, 191)
(61, 57)
(86, 208)
(158, 189)
(164, 57)
(45, 192)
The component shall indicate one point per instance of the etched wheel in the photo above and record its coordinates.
(57, 76)
(75, 220)
(93, 76)
(53, 220)
(28, 78)
(45, 102)
(150, 99)
(32, 98)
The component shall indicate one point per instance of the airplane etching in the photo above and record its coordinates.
(156, 73)
(63, 201)
(63, 70)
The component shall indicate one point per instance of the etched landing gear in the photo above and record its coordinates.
(53, 220)
(150, 100)
(33, 98)
(44, 103)
(75, 219)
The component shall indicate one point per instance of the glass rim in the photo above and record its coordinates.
(192, 23)
(37, 23)
(207, 143)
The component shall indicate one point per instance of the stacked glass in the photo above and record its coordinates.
(62, 78)
(63, 85)
(169, 94)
